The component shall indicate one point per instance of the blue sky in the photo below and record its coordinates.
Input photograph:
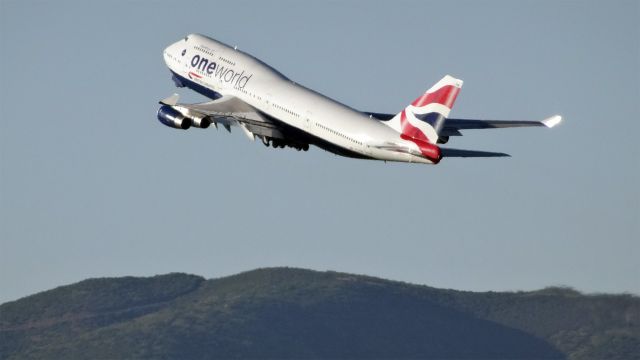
(91, 185)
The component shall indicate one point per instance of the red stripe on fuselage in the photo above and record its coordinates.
(446, 96)
(194, 74)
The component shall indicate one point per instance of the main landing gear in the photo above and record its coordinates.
(280, 143)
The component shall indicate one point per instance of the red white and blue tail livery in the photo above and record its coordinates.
(422, 121)
(424, 118)
(266, 105)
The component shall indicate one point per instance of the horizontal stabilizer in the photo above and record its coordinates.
(448, 152)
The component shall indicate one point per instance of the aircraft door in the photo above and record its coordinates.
(308, 121)
(267, 100)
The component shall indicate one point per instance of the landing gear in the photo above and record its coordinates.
(281, 143)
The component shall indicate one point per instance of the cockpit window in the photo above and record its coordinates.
(184, 52)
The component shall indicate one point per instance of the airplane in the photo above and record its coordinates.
(247, 93)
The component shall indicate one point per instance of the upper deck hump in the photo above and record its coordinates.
(245, 58)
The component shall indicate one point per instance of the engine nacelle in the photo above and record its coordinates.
(200, 121)
(173, 118)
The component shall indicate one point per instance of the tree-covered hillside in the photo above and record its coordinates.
(294, 313)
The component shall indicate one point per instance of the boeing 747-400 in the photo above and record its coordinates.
(266, 105)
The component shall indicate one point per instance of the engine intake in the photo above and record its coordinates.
(173, 118)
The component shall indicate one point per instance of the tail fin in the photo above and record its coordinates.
(425, 117)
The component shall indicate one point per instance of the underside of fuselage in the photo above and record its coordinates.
(301, 135)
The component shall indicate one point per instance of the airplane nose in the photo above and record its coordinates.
(174, 51)
(178, 45)
(171, 49)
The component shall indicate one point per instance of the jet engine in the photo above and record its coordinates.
(200, 121)
(173, 118)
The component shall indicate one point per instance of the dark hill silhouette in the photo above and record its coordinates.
(293, 313)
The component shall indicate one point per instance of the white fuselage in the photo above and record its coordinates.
(241, 75)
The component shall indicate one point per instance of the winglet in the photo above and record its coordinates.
(552, 121)
(171, 100)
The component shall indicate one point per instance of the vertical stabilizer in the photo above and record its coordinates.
(424, 118)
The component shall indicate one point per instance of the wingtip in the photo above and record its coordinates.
(171, 100)
(552, 121)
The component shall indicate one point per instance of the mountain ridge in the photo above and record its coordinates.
(298, 313)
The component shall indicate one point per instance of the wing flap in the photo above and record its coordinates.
(227, 106)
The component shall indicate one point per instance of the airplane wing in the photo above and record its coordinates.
(452, 127)
(230, 111)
